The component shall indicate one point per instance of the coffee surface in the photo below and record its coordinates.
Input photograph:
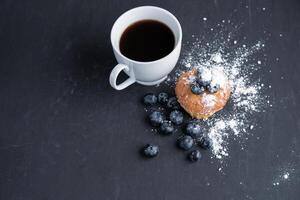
(147, 40)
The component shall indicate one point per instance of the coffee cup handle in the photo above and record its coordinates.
(115, 73)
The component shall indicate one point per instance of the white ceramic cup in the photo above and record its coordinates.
(145, 73)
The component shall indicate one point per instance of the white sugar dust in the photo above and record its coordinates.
(241, 69)
(209, 100)
(284, 175)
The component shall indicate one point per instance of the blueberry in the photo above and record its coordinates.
(176, 117)
(204, 142)
(197, 88)
(150, 150)
(186, 142)
(150, 99)
(213, 87)
(173, 103)
(204, 76)
(193, 129)
(167, 128)
(163, 98)
(156, 118)
(194, 155)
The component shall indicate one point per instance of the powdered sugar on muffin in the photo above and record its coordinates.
(208, 100)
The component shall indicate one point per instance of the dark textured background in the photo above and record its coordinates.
(66, 134)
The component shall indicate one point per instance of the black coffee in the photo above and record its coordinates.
(147, 40)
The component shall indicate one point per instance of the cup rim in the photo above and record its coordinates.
(152, 7)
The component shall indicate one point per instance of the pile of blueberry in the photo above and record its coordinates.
(166, 124)
(204, 81)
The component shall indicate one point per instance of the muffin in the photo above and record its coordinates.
(202, 92)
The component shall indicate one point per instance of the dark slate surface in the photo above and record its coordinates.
(66, 134)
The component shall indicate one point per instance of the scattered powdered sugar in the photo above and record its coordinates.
(284, 175)
(218, 76)
(217, 58)
(218, 139)
(220, 129)
(236, 64)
